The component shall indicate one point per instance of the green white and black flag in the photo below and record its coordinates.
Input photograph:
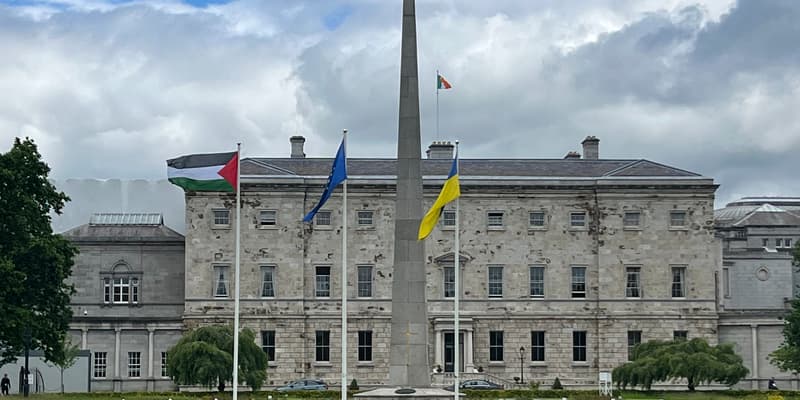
(216, 172)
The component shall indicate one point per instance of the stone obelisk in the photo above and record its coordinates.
(408, 355)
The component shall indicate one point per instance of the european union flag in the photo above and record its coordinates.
(338, 174)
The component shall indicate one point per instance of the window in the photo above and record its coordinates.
(267, 281)
(634, 338)
(449, 280)
(537, 281)
(778, 243)
(577, 219)
(496, 281)
(764, 242)
(364, 218)
(680, 335)
(448, 218)
(323, 218)
(536, 219)
(107, 290)
(267, 218)
(364, 346)
(164, 364)
(220, 281)
(268, 344)
(578, 282)
(221, 217)
(134, 364)
(125, 290)
(100, 363)
(740, 234)
(364, 281)
(726, 282)
(678, 281)
(323, 282)
(537, 346)
(495, 219)
(677, 218)
(787, 242)
(579, 346)
(631, 219)
(633, 282)
(323, 346)
(496, 346)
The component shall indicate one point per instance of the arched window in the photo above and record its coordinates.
(121, 285)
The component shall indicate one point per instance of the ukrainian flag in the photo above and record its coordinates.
(450, 191)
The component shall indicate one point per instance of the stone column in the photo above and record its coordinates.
(150, 332)
(468, 349)
(408, 354)
(84, 334)
(116, 352)
(754, 334)
(437, 351)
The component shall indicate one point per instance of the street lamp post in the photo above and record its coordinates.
(521, 364)
(26, 337)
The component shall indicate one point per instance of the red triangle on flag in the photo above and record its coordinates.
(230, 172)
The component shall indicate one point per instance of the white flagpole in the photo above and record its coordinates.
(437, 104)
(344, 273)
(236, 291)
(456, 262)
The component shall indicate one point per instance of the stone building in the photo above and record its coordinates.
(565, 264)
(758, 280)
(128, 301)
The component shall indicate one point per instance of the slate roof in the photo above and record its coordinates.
(553, 168)
(119, 227)
(737, 210)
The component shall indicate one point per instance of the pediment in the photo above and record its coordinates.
(449, 258)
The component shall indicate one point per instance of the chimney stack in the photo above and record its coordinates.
(297, 146)
(573, 155)
(440, 151)
(591, 148)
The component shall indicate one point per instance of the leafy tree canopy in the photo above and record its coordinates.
(787, 356)
(694, 360)
(34, 262)
(204, 356)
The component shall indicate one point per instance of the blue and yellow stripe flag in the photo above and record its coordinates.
(450, 191)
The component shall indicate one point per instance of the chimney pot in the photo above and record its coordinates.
(591, 148)
(440, 150)
(297, 146)
(572, 155)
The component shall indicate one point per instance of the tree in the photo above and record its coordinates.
(787, 356)
(34, 262)
(694, 360)
(66, 357)
(204, 356)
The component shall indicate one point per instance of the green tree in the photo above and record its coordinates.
(694, 360)
(787, 356)
(66, 357)
(34, 262)
(204, 356)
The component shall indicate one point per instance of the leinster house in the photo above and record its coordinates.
(565, 265)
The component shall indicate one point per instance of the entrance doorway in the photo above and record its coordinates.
(449, 352)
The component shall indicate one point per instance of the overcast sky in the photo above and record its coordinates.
(111, 89)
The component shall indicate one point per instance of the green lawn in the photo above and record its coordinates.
(526, 395)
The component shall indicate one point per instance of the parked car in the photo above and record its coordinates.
(476, 384)
(304, 384)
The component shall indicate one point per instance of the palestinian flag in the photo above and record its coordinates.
(215, 172)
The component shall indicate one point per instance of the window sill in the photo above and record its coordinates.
(684, 298)
(679, 228)
(365, 228)
(495, 298)
(537, 297)
(268, 227)
(221, 227)
(267, 297)
(325, 364)
(496, 228)
(538, 364)
(632, 228)
(448, 228)
(365, 364)
(497, 364)
(633, 298)
(580, 364)
(536, 228)
(577, 228)
(323, 228)
(578, 298)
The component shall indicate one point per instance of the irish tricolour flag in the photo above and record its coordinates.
(215, 172)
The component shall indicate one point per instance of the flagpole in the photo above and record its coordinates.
(344, 273)
(437, 104)
(456, 263)
(236, 290)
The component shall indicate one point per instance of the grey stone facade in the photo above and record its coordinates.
(126, 333)
(758, 281)
(673, 234)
